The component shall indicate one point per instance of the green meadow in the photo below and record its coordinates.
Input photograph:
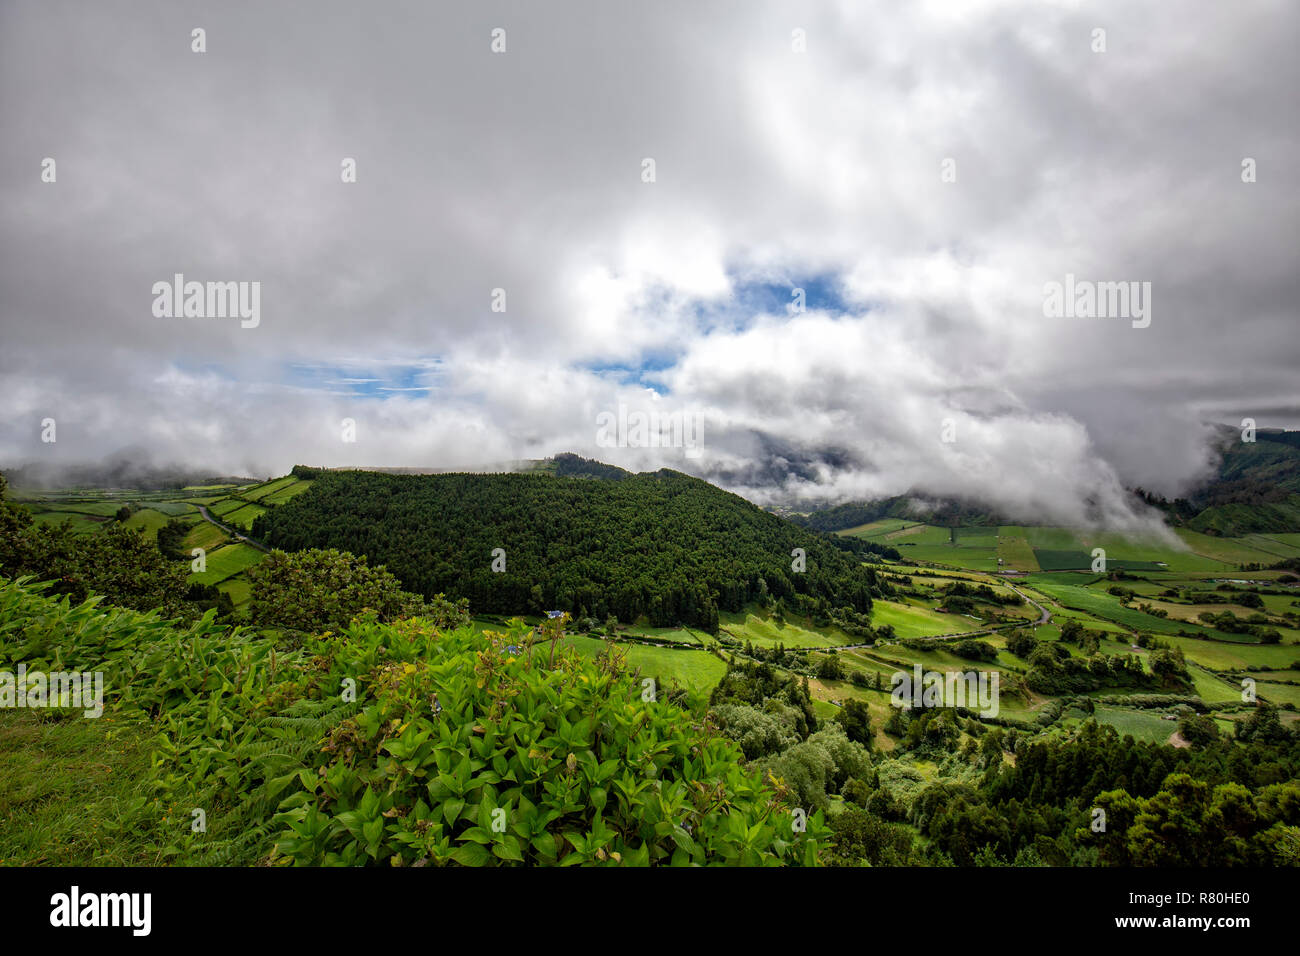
(227, 561)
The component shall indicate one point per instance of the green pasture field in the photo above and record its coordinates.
(761, 630)
(1100, 604)
(1279, 694)
(149, 521)
(243, 517)
(1212, 689)
(238, 588)
(697, 671)
(871, 662)
(79, 522)
(975, 536)
(1190, 612)
(878, 529)
(1053, 560)
(227, 561)
(938, 658)
(225, 506)
(1220, 656)
(1141, 724)
(1281, 603)
(914, 534)
(970, 558)
(1225, 554)
(104, 509)
(282, 495)
(908, 620)
(667, 635)
(174, 509)
(1014, 549)
(258, 492)
(204, 535)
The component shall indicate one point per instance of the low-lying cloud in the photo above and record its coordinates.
(922, 173)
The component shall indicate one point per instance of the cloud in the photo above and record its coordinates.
(522, 171)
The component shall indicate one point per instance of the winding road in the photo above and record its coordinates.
(231, 531)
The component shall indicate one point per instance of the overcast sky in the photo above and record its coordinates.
(774, 169)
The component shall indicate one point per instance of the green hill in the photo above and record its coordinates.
(589, 539)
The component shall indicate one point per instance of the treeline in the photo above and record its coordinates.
(862, 548)
(664, 545)
(1094, 799)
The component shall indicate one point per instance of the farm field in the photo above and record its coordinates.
(876, 529)
(205, 535)
(908, 620)
(91, 510)
(239, 590)
(762, 631)
(76, 520)
(696, 671)
(243, 517)
(1015, 550)
(227, 561)
(148, 520)
(1141, 724)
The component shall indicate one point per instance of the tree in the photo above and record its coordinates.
(830, 667)
(118, 563)
(1071, 632)
(855, 718)
(171, 537)
(1198, 730)
(317, 590)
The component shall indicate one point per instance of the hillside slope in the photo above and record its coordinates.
(662, 544)
(1257, 488)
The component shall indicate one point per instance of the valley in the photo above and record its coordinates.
(1193, 627)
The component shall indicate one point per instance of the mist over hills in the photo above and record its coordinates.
(1249, 487)
(1254, 487)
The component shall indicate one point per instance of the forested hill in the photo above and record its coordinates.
(1255, 489)
(662, 544)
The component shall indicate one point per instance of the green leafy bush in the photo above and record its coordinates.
(471, 753)
(445, 728)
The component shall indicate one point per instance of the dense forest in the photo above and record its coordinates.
(662, 544)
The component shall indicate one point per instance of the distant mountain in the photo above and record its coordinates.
(1255, 489)
(586, 538)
